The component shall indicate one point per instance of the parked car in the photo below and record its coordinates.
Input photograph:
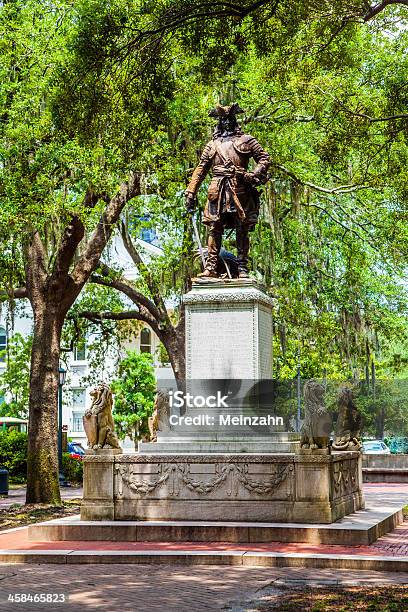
(375, 447)
(76, 450)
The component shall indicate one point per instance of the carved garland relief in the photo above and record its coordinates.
(345, 477)
(177, 476)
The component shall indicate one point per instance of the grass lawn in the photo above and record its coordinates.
(19, 515)
(315, 599)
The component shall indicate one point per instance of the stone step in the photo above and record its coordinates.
(361, 528)
(384, 475)
(208, 557)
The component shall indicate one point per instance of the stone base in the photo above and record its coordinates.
(358, 529)
(384, 475)
(228, 330)
(385, 468)
(240, 487)
(104, 452)
(314, 451)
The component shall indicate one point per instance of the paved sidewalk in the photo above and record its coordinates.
(17, 496)
(120, 588)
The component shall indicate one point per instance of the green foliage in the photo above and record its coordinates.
(92, 89)
(134, 392)
(13, 453)
(15, 380)
(397, 444)
(102, 337)
(72, 468)
(162, 355)
(332, 243)
(384, 408)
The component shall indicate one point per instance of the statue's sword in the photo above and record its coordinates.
(198, 241)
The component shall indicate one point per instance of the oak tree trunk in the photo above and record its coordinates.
(174, 343)
(42, 458)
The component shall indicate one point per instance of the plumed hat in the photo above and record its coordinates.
(223, 111)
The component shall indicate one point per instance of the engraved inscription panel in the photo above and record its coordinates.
(220, 341)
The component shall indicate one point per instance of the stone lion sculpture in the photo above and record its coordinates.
(98, 420)
(348, 422)
(159, 421)
(317, 424)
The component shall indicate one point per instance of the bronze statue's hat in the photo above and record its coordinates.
(222, 111)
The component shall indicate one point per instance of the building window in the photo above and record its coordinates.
(80, 352)
(78, 398)
(77, 423)
(3, 344)
(146, 232)
(148, 235)
(146, 341)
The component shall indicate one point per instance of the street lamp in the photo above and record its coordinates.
(61, 381)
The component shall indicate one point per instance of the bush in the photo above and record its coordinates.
(398, 444)
(73, 469)
(13, 453)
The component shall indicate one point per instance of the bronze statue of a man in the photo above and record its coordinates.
(233, 200)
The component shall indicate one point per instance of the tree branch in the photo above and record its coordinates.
(98, 317)
(35, 268)
(143, 269)
(341, 224)
(330, 190)
(93, 250)
(136, 296)
(71, 237)
(378, 8)
(362, 115)
(13, 294)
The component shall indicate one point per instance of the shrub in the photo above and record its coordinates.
(13, 453)
(73, 469)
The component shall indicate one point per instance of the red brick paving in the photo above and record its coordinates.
(120, 588)
(392, 544)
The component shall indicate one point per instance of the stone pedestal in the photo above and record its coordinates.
(228, 330)
(238, 487)
(212, 476)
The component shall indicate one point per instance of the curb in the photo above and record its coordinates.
(186, 557)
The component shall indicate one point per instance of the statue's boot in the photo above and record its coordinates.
(207, 274)
(213, 247)
(242, 251)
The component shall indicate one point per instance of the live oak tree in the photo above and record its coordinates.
(53, 225)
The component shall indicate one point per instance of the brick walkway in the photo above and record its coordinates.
(169, 588)
(394, 543)
(164, 588)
